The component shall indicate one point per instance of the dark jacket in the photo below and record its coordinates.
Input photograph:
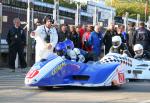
(125, 37)
(131, 33)
(142, 36)
(122, 37)
(62, 36)
(76, 39)
(107, 40)
(16, 37)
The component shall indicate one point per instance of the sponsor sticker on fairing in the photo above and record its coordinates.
(121, 77)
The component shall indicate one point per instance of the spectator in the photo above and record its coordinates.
(131, 32)
(63, 34)
(46, 38)
(108, 37)
(16, 40)
(142, 36)
(82, 30)
(37, 22)
(119, 32)
(74, 37)
(125, 35)
(95, 40)
(86, 37)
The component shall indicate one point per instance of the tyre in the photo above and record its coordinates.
(45, 87)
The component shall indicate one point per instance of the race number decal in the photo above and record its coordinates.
(121, 77)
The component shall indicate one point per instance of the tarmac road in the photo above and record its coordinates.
(12, 90)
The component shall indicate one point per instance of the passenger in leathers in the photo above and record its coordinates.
(140, 53)
(16, 40)
(46, 38)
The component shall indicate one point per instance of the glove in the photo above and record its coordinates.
(81, 58)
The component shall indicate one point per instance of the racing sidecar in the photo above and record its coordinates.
(56, 71)
(135, 69)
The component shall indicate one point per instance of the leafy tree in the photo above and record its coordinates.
(133, 7)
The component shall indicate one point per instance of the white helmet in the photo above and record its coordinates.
(116, 41)
(80, 56)
(72, 55)
(138, 49)
(77, 51)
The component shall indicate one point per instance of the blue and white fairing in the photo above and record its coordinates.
(134, 68)
(55, 71)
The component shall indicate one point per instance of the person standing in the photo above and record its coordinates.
(75, 37)
(107, 40)
(63, 33)
(46, 38)
(119, 33)
(16, 39)
(82, 30)
(142, 36)
(95, 40)
(131, 32)
(124, 34)
(85, 38)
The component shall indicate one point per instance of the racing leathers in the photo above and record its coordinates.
(74, 55)
(119, 50)
(146, 56)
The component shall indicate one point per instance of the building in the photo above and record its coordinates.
(104, 13)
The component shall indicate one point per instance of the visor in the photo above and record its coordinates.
(139, 52)
(60, 53)
(116, 43)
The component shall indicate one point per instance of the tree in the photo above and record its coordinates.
(134, 7)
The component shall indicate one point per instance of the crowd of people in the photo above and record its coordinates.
(135, 42)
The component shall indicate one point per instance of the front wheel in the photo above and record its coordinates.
(45, 87)
(115, 86)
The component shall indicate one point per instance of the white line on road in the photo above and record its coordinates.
(6, 76)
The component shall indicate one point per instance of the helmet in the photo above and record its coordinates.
(48, 17)
(116, 41)
(72, 55)
(138, 49)
(77, 51)
(81, 58)
(60, 49)
(69, 44)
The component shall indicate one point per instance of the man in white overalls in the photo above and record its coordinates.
(46, 38)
